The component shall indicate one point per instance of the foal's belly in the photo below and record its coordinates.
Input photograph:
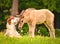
(40, 22)
(40, 19)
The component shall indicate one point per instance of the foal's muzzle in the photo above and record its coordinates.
(19, 27)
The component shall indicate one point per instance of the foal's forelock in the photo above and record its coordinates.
(9, 19)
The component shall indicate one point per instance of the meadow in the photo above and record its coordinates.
(27, 40)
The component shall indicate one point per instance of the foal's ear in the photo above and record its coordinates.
(22, 12)
(9, 19)
(22, 17)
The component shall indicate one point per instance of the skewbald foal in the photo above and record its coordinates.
(11, 26)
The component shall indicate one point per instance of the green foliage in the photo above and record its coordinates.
(25, 29)
(5, 6)
(57, 32)
(5, 3)
(51, 4)
(43, 31)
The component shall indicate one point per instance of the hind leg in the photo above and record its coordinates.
(50, 27)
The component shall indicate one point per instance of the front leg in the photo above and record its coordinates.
(31, 29)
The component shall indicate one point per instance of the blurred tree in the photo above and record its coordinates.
(14, 10)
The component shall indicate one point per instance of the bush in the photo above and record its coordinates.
(57, 32)
(24, 30)
(42, 30)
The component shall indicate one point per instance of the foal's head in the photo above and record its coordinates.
(24, 16)
(13, 20)
(21, 21)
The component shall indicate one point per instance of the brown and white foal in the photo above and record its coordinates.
(11, 26)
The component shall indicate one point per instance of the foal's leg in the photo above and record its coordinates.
(31, 29)
(50, 27)
(7, 32)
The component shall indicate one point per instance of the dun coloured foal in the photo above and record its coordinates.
(32, 17)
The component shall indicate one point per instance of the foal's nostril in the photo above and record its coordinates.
(19, 27)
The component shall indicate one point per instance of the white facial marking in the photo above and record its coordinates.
(15, 20)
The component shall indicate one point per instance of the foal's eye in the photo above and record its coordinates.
(22, 21)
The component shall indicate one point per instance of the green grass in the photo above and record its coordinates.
(28, 40)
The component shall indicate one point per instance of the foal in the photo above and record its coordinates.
(32, 17)
(11, 26)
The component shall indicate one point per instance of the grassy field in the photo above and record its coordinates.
(28, 40)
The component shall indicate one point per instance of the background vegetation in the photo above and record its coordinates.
(53, 5)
